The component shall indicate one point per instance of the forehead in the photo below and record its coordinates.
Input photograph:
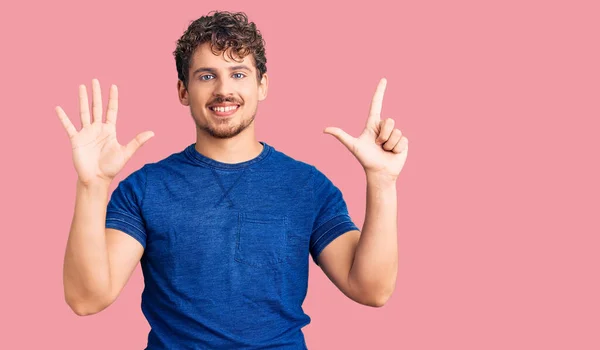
(204, 57)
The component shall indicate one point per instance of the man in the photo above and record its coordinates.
(223, 229)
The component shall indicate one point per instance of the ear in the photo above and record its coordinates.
(263, 87)
(182, 93)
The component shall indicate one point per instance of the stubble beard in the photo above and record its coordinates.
(223, 129)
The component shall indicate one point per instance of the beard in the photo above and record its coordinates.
(225, 128)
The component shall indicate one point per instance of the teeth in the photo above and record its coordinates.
(224, 109)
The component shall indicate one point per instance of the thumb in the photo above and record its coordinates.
(137, 142)
(341, 135)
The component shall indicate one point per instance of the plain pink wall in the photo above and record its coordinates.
(498, 200)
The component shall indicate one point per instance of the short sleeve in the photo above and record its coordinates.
(124, 210)
(331, 214)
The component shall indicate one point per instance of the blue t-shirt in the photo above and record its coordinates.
(227, 246)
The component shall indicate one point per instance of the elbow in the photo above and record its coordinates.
(376, 300)
(379, 298)
(81, 311)
(87, 307)
(380, 301)
(375, 294)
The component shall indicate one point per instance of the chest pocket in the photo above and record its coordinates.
(262, 239)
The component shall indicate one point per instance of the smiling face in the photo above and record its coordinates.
(219, 81)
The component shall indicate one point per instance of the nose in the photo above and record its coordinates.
(224, 88)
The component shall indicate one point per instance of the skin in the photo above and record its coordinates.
(98, 261)
(233, 139)
(364, 264)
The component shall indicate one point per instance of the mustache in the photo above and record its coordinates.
(224, 99)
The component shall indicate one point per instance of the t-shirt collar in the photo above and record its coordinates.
(203, 160)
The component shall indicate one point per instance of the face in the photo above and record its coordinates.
(217, 79)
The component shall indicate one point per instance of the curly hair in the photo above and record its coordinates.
(223, 30)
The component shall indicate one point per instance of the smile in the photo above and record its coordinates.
(224, 111)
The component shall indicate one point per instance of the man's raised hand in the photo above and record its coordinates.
(381, 149)
(97, 155)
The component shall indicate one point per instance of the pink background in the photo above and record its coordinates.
(497, 203)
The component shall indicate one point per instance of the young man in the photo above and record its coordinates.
(224, 228)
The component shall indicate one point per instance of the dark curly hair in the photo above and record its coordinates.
(223, 30)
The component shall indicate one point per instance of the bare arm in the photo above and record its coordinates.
(364, 264)
(375, 265)
(86, 270)
(98, 261)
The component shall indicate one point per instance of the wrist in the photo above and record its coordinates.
(380, 177)
(96, 184)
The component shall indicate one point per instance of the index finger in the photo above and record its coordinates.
(377, 102)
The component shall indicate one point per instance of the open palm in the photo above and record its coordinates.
(97, 154)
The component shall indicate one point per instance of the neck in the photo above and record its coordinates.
(233, 150)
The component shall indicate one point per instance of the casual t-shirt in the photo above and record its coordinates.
(227, 246)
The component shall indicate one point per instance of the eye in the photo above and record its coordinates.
(242, 74)
(206, 75)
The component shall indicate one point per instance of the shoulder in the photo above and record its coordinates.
(314, 176)
(290, 164)
(169, 162)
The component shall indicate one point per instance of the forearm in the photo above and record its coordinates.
(86, 269)
(375, 263)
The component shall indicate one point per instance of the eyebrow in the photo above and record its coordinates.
(212, 70)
